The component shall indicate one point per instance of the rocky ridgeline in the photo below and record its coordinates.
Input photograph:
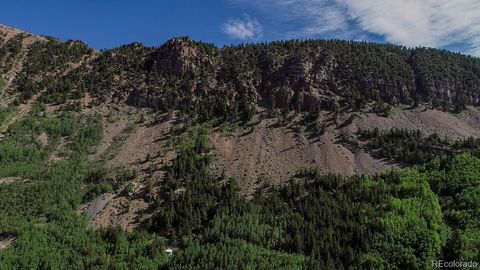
(309, 75)
(316, 75)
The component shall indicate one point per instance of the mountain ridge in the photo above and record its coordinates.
(341, 86)
(308, 75)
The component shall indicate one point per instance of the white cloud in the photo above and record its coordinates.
(244, 28)
(435, 23)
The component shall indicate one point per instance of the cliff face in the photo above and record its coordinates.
(442, 76)
(315, 75)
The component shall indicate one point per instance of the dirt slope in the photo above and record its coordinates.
(268, 152)
(428, 120)
(138, 143)
(273, 153)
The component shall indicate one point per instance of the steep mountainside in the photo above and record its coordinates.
(215, 152)
(343, 85)
(203, 80)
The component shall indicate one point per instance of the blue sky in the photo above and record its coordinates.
(454, 25)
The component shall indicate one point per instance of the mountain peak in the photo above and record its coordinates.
(179, 56)
(180, 41)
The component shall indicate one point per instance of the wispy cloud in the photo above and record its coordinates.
(243, 28)
(304, 18)
(435, 23)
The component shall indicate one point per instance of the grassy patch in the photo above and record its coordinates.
(3, 84)
(6, 114)
(229, 128)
